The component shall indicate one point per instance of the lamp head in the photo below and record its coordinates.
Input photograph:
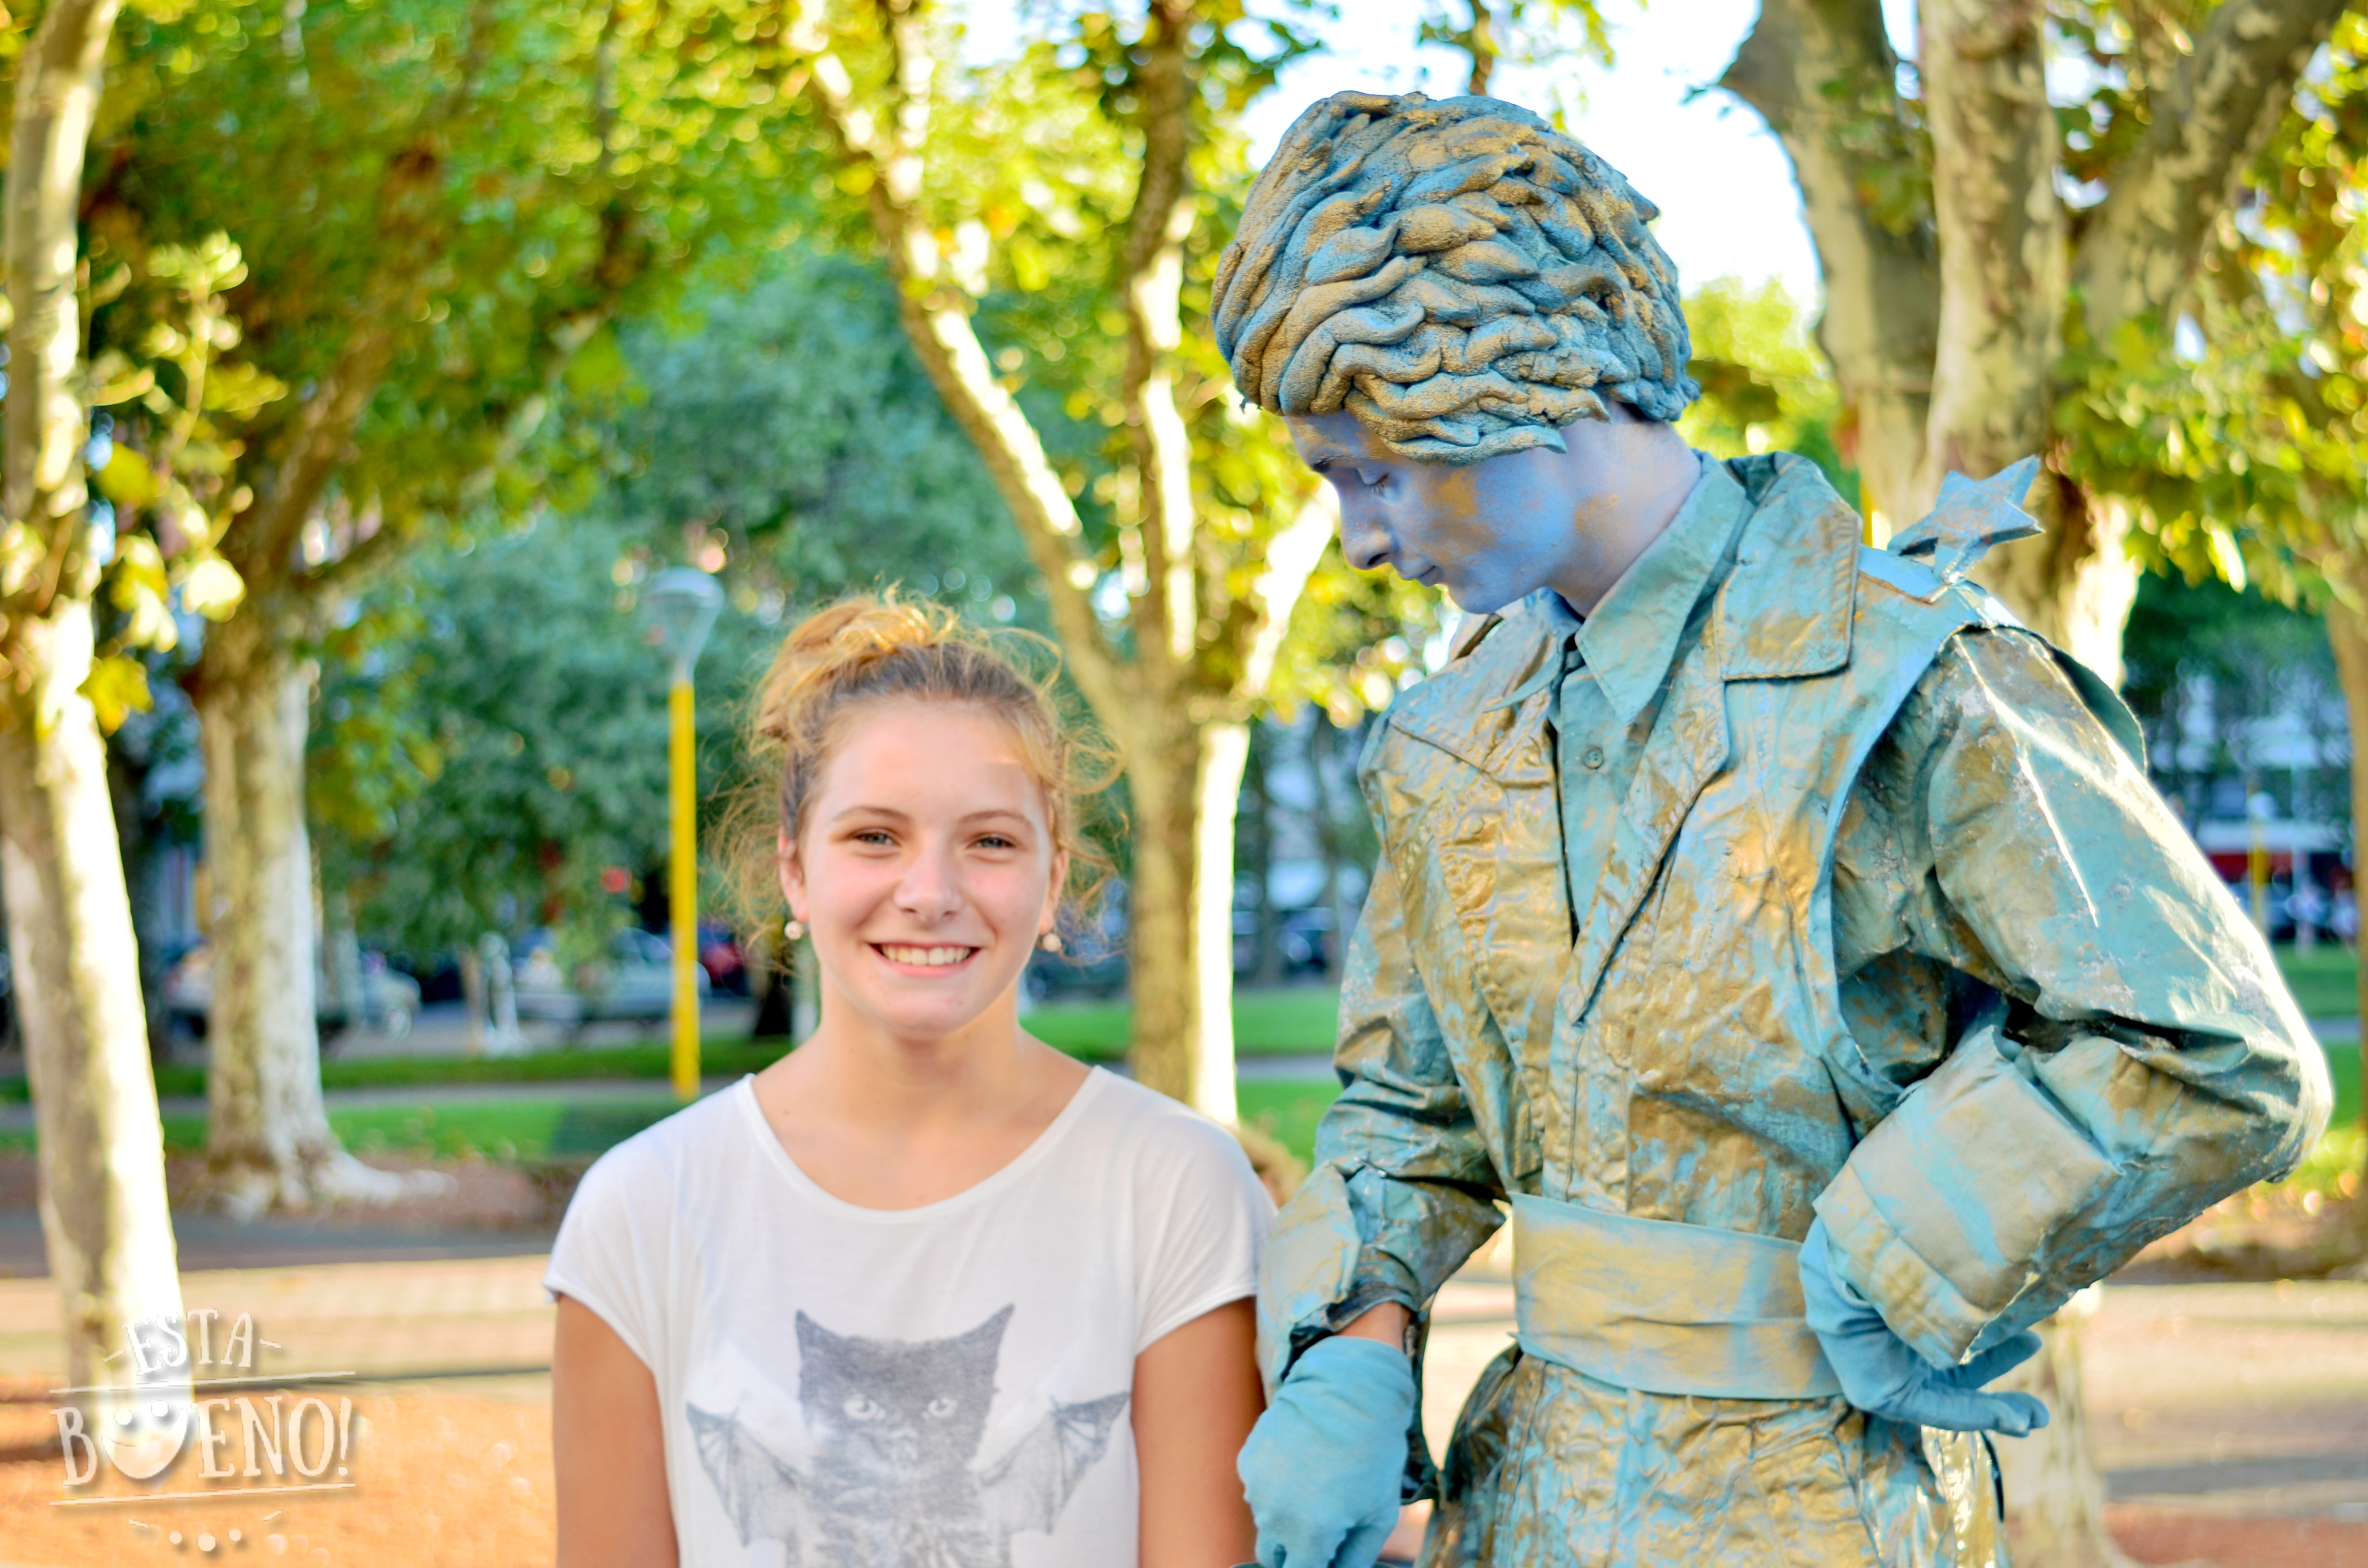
(683, 602)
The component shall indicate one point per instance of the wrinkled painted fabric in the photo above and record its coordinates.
(1869, 815)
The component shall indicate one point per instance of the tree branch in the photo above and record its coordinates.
(1291, 558)
(2002, 233)
(262, 542)
(624, 258)
(938, 324)
(58, 86)
(1151, 278)
(1823, 74)
(2139, 249)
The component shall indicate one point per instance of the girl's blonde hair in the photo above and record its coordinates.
(870, 648)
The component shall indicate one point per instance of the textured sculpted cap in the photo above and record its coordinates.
(1460, 275)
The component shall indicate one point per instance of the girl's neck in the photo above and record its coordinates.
(869, 1078)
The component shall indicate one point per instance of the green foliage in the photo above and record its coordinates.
(1766, 387)
(493, 727)
(722, 440)
(479, 769)
(432, 207)
(1031, 174)
(2241, 433)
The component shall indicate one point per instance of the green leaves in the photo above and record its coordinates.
(1765, 385)
(118, 687)
(2239, 430)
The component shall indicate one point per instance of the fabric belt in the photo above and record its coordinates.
(1662, 1306)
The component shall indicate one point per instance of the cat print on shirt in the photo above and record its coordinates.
(895, 1428)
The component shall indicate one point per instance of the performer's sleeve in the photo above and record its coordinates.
(1403, 1189)
(2148, 1059)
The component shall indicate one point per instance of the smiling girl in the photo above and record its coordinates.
(925, 1290)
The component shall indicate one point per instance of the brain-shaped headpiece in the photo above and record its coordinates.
(1460, 276)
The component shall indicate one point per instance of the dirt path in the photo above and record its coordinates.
(2231, 1420)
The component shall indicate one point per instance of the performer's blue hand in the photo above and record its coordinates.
(1883, 1376)
(1322, 1464)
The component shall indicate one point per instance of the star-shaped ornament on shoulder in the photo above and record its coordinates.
(1972, 515)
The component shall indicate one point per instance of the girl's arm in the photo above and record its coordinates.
(1196, 1397)
(608, 1449)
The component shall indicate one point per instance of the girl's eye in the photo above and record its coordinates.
(995, 841)
(1373, 478)
(873, 835)
(862, 1407)
(942, 1407)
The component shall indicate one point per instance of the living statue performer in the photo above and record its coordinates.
(1789, 939)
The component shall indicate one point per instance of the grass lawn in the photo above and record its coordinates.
(2343, 1067)
(510, 1130)
(1295, 1021)
(2325, 981)
(1289, 1109)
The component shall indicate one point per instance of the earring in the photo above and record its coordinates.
(1050, 941)
(793, 927)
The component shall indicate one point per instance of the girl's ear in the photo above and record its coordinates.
(793, 876)
(1052, 894)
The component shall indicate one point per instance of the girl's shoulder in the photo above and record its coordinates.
(1143, 1127)
(706, 1138)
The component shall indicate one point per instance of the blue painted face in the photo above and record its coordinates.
(1491, 533)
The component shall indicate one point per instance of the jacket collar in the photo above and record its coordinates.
(1783, 610)
(1786, 608)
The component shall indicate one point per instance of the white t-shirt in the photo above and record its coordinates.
(863, 1388)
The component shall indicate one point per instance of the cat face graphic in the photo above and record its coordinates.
(903, 1415)
(893, 1482)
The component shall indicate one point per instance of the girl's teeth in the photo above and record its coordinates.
(928, 958)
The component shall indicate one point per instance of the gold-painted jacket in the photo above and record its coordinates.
(1871, 814)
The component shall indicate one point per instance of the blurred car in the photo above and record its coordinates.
(1303, 936)
(1093, 962)
(389, 999)
(720, 956)
(635, 981)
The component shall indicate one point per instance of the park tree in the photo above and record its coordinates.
(102, 1144)
(1996, 259)
(437, 211)
(491, 752)
(1071, 204)
(1526, 31)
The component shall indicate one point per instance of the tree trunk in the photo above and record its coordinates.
(473, 1009)
(2056, 1499)
(2002, 234)
(1823, 76)
(104, 1213)
(502, 1036)
(1186, 783)
(2092, 604)
(2347, 634)
(77, 997)
(268, 1139)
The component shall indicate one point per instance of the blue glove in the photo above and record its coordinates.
(1322, 1464)
(1882, 1375)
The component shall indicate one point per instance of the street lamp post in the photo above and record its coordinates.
(683, 605)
